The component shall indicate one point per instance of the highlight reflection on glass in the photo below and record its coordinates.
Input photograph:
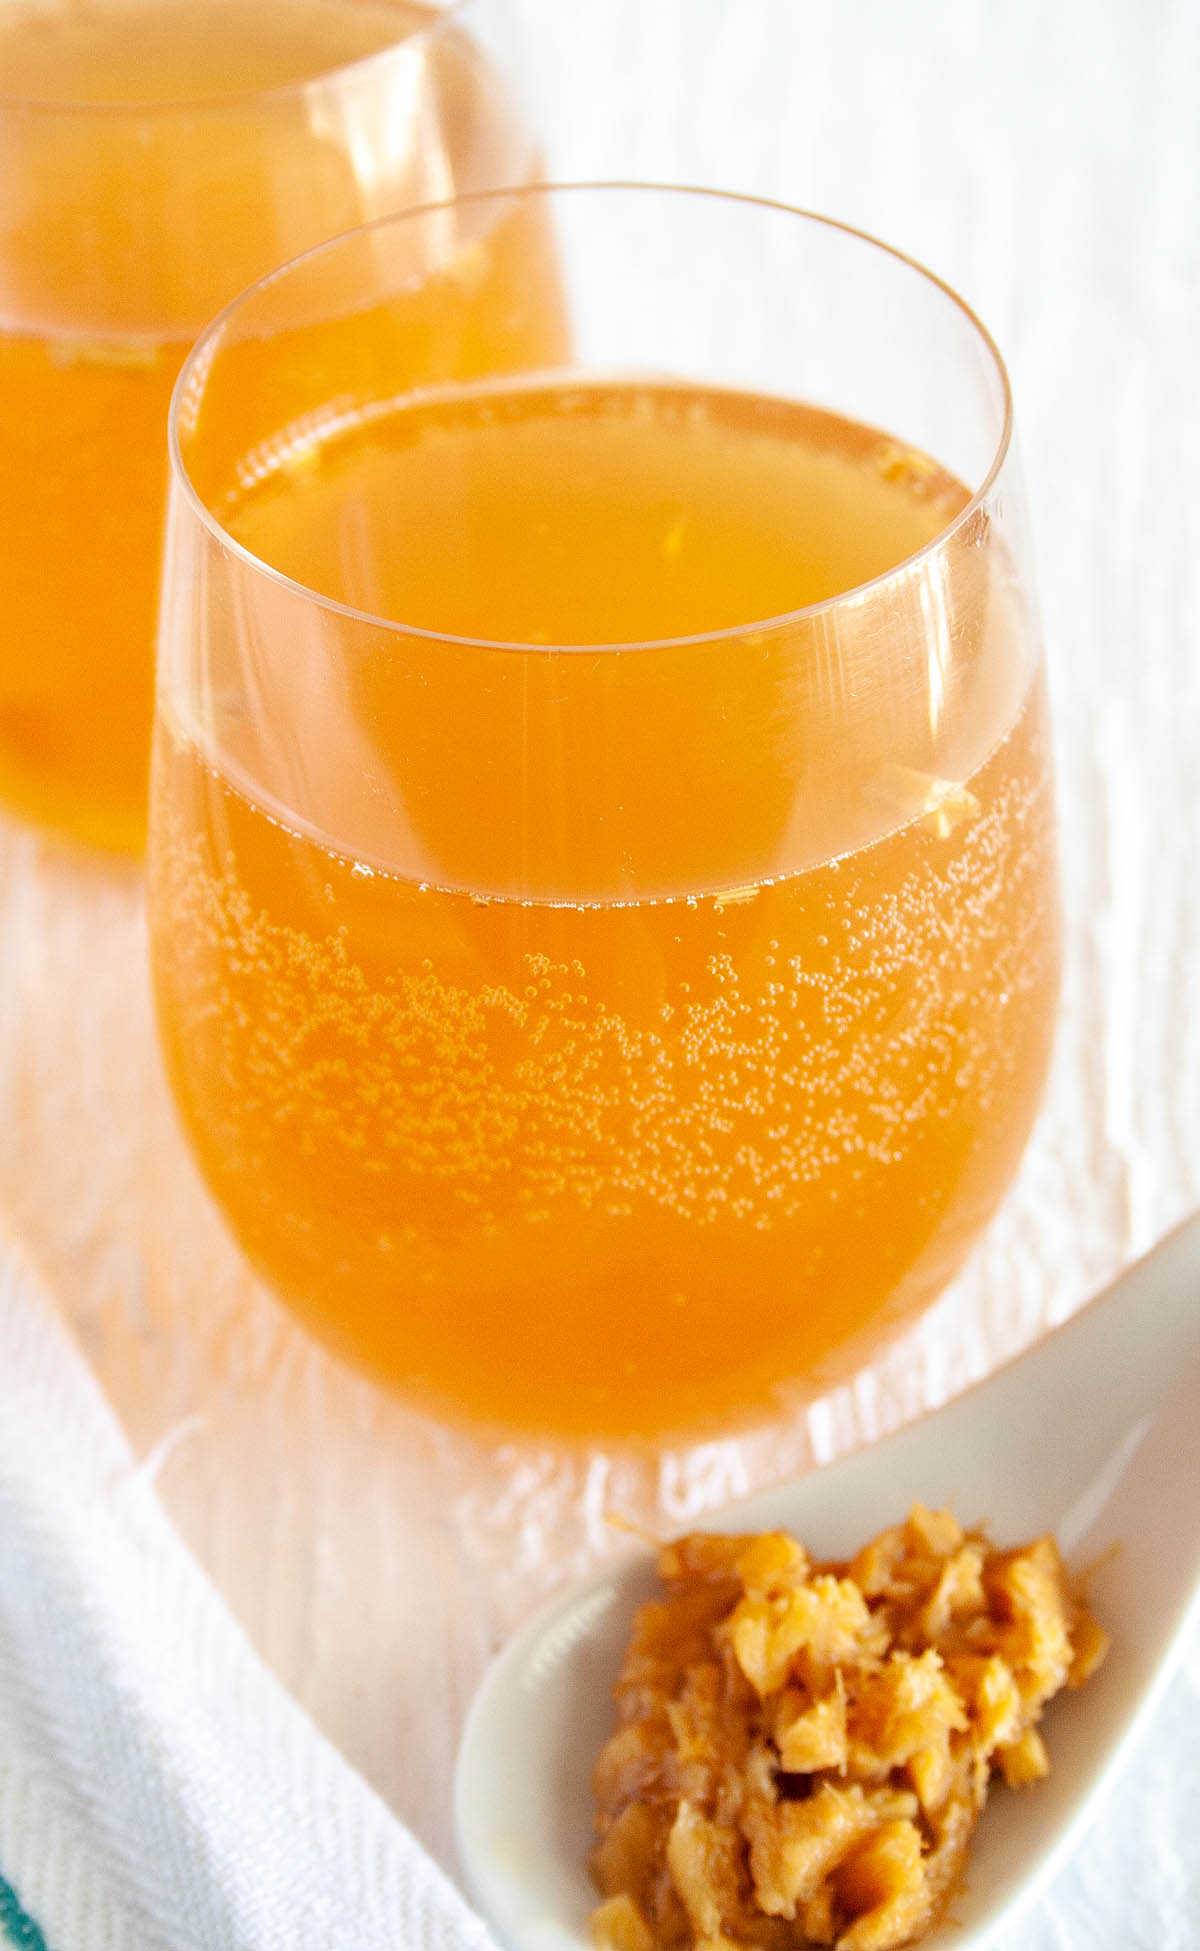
(155, 156)
(603, 879)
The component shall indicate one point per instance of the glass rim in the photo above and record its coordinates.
(441, 17)
(778, 621)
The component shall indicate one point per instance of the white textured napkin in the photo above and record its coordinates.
(158, 1787)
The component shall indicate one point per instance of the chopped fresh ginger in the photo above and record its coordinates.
(803, 1751)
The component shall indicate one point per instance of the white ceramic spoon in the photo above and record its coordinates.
(1094, 1435)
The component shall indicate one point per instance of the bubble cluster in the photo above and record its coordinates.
(416, 1092)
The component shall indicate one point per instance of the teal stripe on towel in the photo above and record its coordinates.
(16, 1925)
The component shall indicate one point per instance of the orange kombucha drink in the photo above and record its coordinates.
(536, 1135)
(156, 156)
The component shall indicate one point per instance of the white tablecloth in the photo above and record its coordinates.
(1047, 162)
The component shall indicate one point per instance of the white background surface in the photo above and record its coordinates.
(1046, 160)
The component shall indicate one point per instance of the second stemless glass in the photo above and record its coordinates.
(603, 884)
(155, 156)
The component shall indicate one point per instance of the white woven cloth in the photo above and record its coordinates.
(159, 1790)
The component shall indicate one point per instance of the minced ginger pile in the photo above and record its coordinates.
(803, 1751)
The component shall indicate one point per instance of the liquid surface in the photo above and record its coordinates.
(124, 232)
(543, 514)
(175, 51)
(591, 513)
(605, 1165)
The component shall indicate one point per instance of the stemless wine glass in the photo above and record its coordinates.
(155, 156)
(603, 885)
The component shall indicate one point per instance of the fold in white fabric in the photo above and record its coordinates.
(158, 1787)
